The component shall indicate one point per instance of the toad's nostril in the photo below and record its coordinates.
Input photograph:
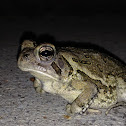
(26, 55)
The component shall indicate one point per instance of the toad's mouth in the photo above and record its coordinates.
(38, 70)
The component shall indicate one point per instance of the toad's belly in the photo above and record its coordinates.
(64, 91)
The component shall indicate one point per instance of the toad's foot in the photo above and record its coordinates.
(38, 86)
(115, 105)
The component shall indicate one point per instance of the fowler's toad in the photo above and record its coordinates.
(84, 77)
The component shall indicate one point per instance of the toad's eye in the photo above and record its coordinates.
(46, 53)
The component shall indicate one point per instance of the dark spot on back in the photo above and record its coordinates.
(56, 68)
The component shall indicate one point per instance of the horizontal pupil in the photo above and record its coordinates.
(46, 53)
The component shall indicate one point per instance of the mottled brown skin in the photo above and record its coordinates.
(84, 77)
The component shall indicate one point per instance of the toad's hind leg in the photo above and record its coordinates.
(115, 105)
(82, 102)
(121, 94)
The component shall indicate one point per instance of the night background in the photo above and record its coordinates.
(56, 7)
(98, 22)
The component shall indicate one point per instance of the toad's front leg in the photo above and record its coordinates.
(38, 86)
(83, 101)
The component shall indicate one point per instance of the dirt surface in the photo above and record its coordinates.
(20, 105)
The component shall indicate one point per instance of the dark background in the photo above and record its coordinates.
(65, 7)
(98, 22)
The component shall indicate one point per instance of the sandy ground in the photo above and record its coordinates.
(20, 105)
